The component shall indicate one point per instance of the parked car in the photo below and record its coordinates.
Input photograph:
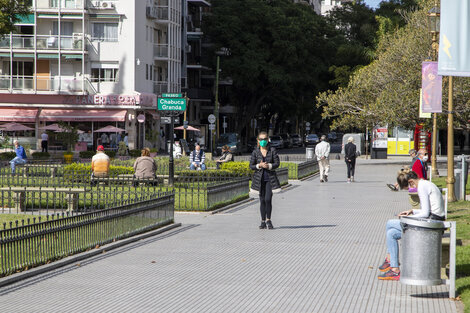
(332, 136)
(296, 140)
(287, 140)
(232, 140)
(311, 140)
(276, 142)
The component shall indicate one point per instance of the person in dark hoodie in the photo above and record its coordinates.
(350, 158)
(264, 161)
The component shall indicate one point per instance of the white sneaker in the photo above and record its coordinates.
(349, 181)
(352, 179)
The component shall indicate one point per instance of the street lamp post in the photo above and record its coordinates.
(433, 17)
(221, 52)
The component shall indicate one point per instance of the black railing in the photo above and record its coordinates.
(46, 238)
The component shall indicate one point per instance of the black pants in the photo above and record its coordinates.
(44, 145)
(265, 199)
(351, 166)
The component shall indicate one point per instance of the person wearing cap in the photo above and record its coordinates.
(322, 151)
(350, 158)
(225, 157)
(20, 156)
(100, 163)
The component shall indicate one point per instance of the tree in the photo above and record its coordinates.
(10, 13)
(280, 55)
(387, 90)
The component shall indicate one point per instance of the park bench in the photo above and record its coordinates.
(159, 177)
(53, 168)
(19, 195)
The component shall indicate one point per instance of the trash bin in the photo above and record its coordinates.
(421, 245)
(309, 153)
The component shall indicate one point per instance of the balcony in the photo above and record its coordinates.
(60, 4)
(160, 51)
(160, 87)
(43, 42)
(34, 84)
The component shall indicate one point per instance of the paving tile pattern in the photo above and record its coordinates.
(322, 257)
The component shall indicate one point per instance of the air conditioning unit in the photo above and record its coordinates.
(107, 5)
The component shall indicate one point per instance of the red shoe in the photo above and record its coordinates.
(385, 266)
(390, 275)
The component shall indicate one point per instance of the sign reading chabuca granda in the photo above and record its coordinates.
(171, 104)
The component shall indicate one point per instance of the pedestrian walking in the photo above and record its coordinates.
(44, 141)
(350, 158)
(420, 166)
(432, 207)
(322, 151)
(264, 160)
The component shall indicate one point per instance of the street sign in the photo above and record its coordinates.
(211, 118)
(172, 95)
(141, 118)
(224, 125)
(167, 120)
(307, 124)
(171, 104)
(307, 128)
(211, 126)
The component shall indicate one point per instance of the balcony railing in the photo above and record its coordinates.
(160, 87)
(62, 4)
(53, 84)
(160, 50)
(43, 42)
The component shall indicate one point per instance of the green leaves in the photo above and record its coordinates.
(10, 13)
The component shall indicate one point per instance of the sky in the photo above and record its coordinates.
(373, 3)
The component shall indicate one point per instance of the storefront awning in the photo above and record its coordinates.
(18, 115)
(83, 115)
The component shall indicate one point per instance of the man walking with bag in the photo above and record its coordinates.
(322, 151)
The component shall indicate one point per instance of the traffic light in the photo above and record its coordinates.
(185, 124)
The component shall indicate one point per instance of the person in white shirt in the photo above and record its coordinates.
(432, 207)
(44, 141)
(322, 151)
(104, 139)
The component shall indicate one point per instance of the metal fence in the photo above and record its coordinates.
(31, 243)
(221, 194)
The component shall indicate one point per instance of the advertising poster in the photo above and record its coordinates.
(431, 88)
(380, 137)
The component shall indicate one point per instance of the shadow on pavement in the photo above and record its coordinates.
(304, 226)
(432, 295)
(70, 267)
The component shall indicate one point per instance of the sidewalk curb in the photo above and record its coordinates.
(230, 206)
(81, 256)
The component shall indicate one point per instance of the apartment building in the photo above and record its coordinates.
(92, 64)
(315, 4)
(327, 5)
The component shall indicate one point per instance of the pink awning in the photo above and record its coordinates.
(83, 115)
(18, 115)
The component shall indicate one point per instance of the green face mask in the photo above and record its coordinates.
(263, 143)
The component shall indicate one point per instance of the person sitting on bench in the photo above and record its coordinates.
(145, 166)
(197, 159)
(20, 156)
(100, 164)
(225, 157)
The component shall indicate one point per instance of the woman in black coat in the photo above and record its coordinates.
(264, 161)
(350, 158)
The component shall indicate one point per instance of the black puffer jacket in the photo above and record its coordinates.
(350, 152)
(273, 159)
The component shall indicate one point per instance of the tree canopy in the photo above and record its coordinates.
(387, 90)
(280, 54)
(10, 13)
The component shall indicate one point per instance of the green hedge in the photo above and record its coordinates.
(7, 155)
(40, 155)
(111, 154)
(135, 153)
(78, 172)
(240, 168)
(86, 154)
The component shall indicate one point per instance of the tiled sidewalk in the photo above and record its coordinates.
(322, 257)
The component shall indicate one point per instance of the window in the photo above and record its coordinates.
(104, 74)
(150, 72)
(146, 71)
(105, 31)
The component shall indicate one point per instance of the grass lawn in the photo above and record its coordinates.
(441, 182)
(460, 212)
(7, 218)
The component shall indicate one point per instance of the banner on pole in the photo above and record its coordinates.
(454, 46)
(431, 88)
(421, 114)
